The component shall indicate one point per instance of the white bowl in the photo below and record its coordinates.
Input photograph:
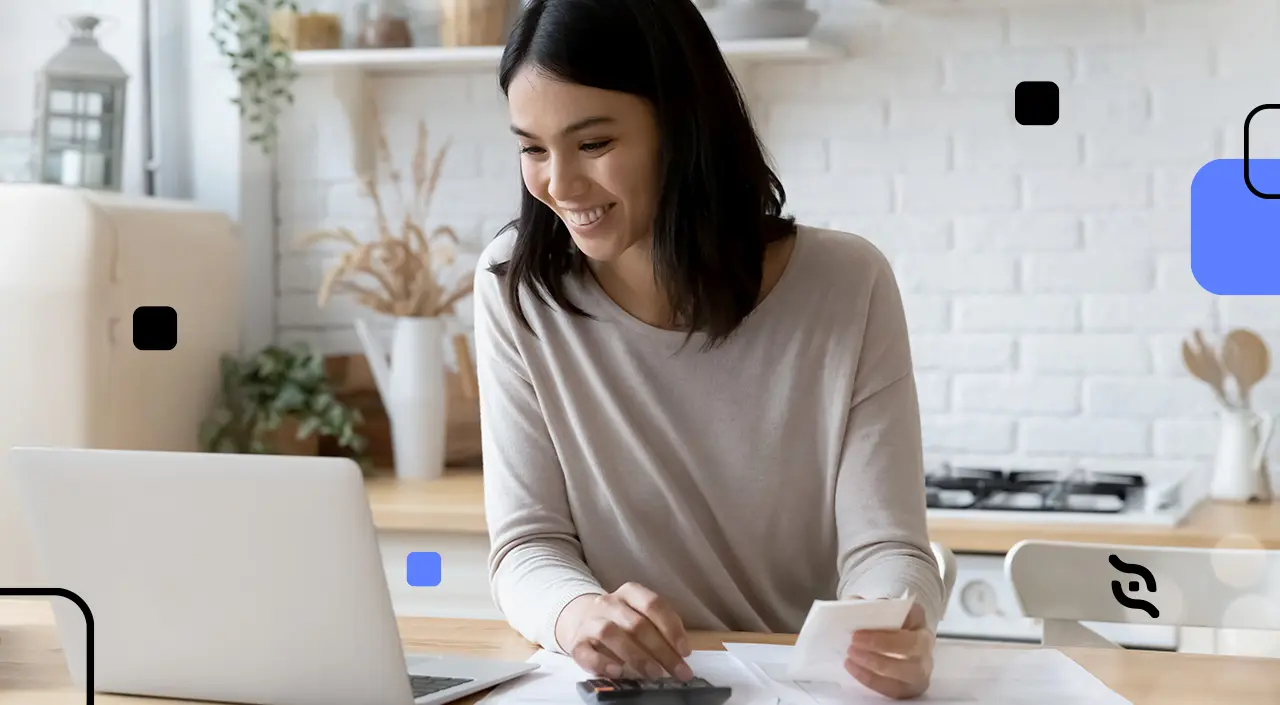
(752, 22)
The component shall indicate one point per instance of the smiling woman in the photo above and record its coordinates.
(612, 117)
(637, 485)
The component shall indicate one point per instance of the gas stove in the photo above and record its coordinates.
(1055, 496)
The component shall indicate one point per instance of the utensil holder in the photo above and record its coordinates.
(1240, 464)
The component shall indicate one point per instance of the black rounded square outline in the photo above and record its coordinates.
(88, 625)
(1248, 118)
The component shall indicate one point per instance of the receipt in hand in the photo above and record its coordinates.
(824, 638)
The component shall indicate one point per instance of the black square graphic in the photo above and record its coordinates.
(1036, 103)
(155, 328)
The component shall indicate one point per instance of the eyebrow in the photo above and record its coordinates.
(575, 127)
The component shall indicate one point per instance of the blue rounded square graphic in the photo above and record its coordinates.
(1235, 234)
(422, 568)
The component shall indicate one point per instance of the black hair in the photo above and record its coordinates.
(719, 203)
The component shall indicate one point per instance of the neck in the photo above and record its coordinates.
(632, 284)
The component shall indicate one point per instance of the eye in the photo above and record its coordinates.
(593, 146)
(530, 150)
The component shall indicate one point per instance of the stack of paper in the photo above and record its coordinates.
(556, 681)
(812, 672)
(757, 673)
(961, 674)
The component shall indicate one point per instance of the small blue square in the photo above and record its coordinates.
(423, 569)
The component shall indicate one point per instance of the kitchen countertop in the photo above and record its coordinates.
(455, 504)
(452, 504)
(33, 672)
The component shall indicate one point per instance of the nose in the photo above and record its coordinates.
(565, 179)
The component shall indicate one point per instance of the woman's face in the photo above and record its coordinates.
(591, 156)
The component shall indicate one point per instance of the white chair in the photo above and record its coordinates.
(947, 566)
(1063, 584)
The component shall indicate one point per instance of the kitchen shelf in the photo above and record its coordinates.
(423, 59)
(347, 70)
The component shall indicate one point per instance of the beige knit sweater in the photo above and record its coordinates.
(739, 484)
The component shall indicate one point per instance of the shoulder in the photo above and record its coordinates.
(844, 261)
(488, 287)
(492, 293)
(495, 252)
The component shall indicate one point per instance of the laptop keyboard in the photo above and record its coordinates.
(426, 685)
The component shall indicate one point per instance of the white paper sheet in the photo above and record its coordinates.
(828, 630)
(962, 674)
(556, 681)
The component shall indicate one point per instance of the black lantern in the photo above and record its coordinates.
(80, 97)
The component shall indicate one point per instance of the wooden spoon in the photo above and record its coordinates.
(1246, 357)
(1201, 362)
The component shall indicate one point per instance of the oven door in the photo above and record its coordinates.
(983, 606)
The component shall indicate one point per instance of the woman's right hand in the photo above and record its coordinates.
(632, 627)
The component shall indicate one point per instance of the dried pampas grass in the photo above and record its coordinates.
(400, 269)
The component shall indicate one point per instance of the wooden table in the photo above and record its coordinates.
(32, 671)
(455, 504)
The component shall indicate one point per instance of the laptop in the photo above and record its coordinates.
(233, 578)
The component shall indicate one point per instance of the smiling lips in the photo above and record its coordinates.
(587, 218)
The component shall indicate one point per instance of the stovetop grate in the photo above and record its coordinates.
(992, 489)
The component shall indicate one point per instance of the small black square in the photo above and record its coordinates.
(1036, 103)
(1133, 586)
(155, 328)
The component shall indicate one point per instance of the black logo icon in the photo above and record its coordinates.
(1118, 592)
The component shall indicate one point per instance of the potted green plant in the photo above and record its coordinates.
(275, 398)
(260, 60)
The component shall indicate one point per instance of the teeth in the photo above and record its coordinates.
(585, 218)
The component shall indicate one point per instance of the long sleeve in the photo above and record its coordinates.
(535, 561)
(880, 506)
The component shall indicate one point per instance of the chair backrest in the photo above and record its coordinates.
(947, 566)
(1064, 583)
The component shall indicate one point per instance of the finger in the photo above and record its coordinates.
(886, 641)
(915, 617)
(597, 660)
(905, 670)
(628, 671)
(616, 632)
(649, 604)
(643, 632)
(885, 686)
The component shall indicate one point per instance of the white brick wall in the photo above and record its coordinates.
(1045, 269)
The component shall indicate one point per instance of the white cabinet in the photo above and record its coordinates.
(1241, 642)
(983, 606)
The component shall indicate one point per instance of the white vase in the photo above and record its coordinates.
(413, 387)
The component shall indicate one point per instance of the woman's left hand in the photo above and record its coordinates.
(896, 663)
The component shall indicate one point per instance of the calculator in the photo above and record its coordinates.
(657, 691)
